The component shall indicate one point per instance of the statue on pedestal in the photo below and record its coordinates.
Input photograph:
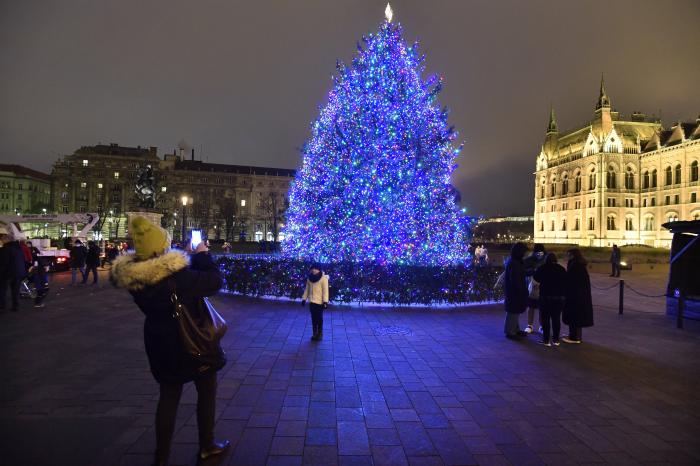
(146, 187)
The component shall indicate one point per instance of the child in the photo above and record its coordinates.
(317, 293)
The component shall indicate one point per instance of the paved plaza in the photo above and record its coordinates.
(384, 387)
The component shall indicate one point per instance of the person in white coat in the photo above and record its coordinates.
(316, 293)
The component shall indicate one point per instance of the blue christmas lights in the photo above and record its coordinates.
(374, 185)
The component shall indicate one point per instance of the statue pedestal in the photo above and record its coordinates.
(152, 216)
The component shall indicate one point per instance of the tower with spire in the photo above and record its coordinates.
(551, 140)
(602, 121)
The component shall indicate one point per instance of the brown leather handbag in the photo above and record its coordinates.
(200, 333)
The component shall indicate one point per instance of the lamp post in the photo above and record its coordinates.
(184, 218)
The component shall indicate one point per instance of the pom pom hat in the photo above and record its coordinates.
(149, 240)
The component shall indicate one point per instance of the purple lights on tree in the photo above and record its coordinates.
(374, 184)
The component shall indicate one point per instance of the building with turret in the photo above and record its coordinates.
(616, 180)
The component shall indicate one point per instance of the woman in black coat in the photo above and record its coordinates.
(515, 287)
(150, 276)
(578, 310)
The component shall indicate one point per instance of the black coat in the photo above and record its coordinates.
(12, 260)
(552, 280)
(149, 283)
(578, 310)
(515, 287)
(93, 256)
(78, 254)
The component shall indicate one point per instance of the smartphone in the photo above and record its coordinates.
(196, 238)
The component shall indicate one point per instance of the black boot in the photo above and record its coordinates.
(314, 336)
(319, 335)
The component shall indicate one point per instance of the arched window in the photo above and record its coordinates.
(542, 189)
(611, 178)
(677, 177)
(553, 188)
(591, 179)
(565, 185)
(541, 226)
(645, 180)
(552, 226)
(654, 178)
(696, 215)
(629, 178)
(672, 217)
(629, 224)
(649, 223)
(669, 176)
(611, 223)
(694, 171)
(577, 182)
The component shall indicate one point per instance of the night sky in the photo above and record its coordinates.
(241, 81)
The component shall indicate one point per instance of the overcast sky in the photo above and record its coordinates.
(243, 79)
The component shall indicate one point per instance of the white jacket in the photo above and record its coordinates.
(316, 293)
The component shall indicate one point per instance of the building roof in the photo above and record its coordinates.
(19, 170)
(116, 149)
(198, 165)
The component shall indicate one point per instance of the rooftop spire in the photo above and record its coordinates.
(552, 127)
(388, 13)
(603, 100)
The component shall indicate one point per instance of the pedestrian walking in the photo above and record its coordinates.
(615, 261)
(40, 276)
(552, 295)
(4, 266)
(533, 262)
(92, 261)
(515, 287)
(578, 309)
(151, 275)
(316, 292)
(78, 254)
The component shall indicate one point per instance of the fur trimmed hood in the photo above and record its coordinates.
(132, 274)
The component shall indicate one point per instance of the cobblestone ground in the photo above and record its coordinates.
(384, 387)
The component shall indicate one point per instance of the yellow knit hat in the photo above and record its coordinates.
(149, 240)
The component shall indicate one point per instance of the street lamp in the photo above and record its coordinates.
(184, 205)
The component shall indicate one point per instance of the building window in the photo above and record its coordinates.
(694, 172)
(577, 183)
(591, 203)
(611, 178)
(591, 223)
(563, 225)
(242, 202)
(565, 186)
(629, 179)
(611, 202)
(611, 222)
(83, 185)
(163, 189)
(629, 224)
(552, 226)
(85, 163)
(645, 180)
(99, 186)
(693, 197)
(677, 199)
(116, 175)
(654, 177)
(19, 187)
(669, 176)
(577, 224)
(678, 174)
(577, 204)
(541, 226)
(672, 217)
(653, 201)
(667, 200)
(591, 180)
(649, 223)
(629, 202)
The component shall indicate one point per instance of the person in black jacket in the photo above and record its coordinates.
(92, 261)
(39, 273)
(78, 254)
(552, 279)
(515, 286)
(578, 310)
(150, 275)
(12, 261)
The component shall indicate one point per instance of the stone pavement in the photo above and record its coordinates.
(385, 387)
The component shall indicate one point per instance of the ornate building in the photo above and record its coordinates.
(23, 190)
(616, 180)
(233, 202)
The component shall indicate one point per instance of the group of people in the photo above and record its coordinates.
(84, 260)
(561, 294)
(20, 260)
(481, 255)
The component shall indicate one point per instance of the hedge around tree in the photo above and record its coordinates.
(351, 282)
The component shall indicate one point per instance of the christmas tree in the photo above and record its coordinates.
(374, 184)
